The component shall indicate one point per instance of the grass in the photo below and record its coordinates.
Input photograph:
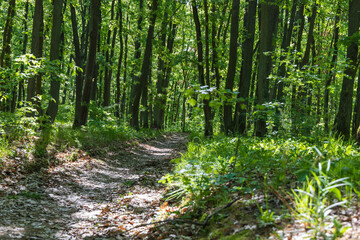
(25, 147)
(213, 171)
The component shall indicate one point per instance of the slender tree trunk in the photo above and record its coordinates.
(301, 20)
(37, 39)
(206, 106)
(332, 70)
(145, 70)
(343, 116)
(163, 77)
(55, 59)
(123, 97)
(6, 49)
(5, 57)
(107, 77)
(136, 70)
(118, 73)
(288, 32)
(234, 31)
(79, 64)
(21, 91)
(246, 67)
(269, 17)
(94, 27)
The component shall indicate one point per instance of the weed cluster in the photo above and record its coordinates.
(215, 170)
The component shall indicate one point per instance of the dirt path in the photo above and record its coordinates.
(98, 197)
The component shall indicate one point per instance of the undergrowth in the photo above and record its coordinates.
(214, 171)
(21, 135)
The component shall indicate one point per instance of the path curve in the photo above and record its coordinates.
(98, 197)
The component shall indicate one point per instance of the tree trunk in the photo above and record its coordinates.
(55, 59)
(206, 106)
(145, 69)
(343, 116)
(123, 97)
(269, 16)
(163, 77)
(37, 39)
(332, 70)
(21, 91)
(234, 33)
(5, 58)
(118, 73)
(107, 76)
(136, 64)
(246, 67)
(94, 27)
(288, 32)
(79, 64)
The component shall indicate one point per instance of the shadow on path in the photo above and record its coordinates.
(92, 198)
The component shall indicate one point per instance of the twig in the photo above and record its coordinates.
(279, 196)
(202, 224)
(166, 221)
(219, 210)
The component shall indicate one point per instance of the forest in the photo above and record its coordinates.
(179, 119)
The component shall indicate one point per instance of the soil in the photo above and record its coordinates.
(104, 195)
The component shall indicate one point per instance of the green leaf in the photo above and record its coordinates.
(192, 102)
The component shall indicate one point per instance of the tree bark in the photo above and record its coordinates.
(79, 63)
(234, 33)
(343, 116)
(107, 76)
(332, 70)
(145, 69)
(94, 27)
(246, 67)
(206, 106)
(37, 39)
(269, 16)
(55, 59)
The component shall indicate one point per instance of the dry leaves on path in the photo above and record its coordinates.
(95, 197)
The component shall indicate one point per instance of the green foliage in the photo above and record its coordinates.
(210, 173)
(313, 202)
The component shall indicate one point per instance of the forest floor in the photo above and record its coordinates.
(113, 193)
(105, 196)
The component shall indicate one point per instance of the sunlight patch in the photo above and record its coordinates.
(12, 231)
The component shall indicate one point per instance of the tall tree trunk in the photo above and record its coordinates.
(5, 57)
(6, 49)
(55, 59)
(107, 77)
(301, 20)
(163, 77)
(21, 91)
(301, 106)
(246, 67)
(94, 27)
(332, 70)
(288, 32)
(206, 106)
(234, 33)
(343, 116)
(123, 97)
(37, 40)
(145, 69)
(118, 73)
(79, 64)
(136, 64)
(269, 16)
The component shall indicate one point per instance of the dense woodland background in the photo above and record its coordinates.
(267, 89)
(261, 67)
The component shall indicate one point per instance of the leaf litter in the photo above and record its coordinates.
(100, 196)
